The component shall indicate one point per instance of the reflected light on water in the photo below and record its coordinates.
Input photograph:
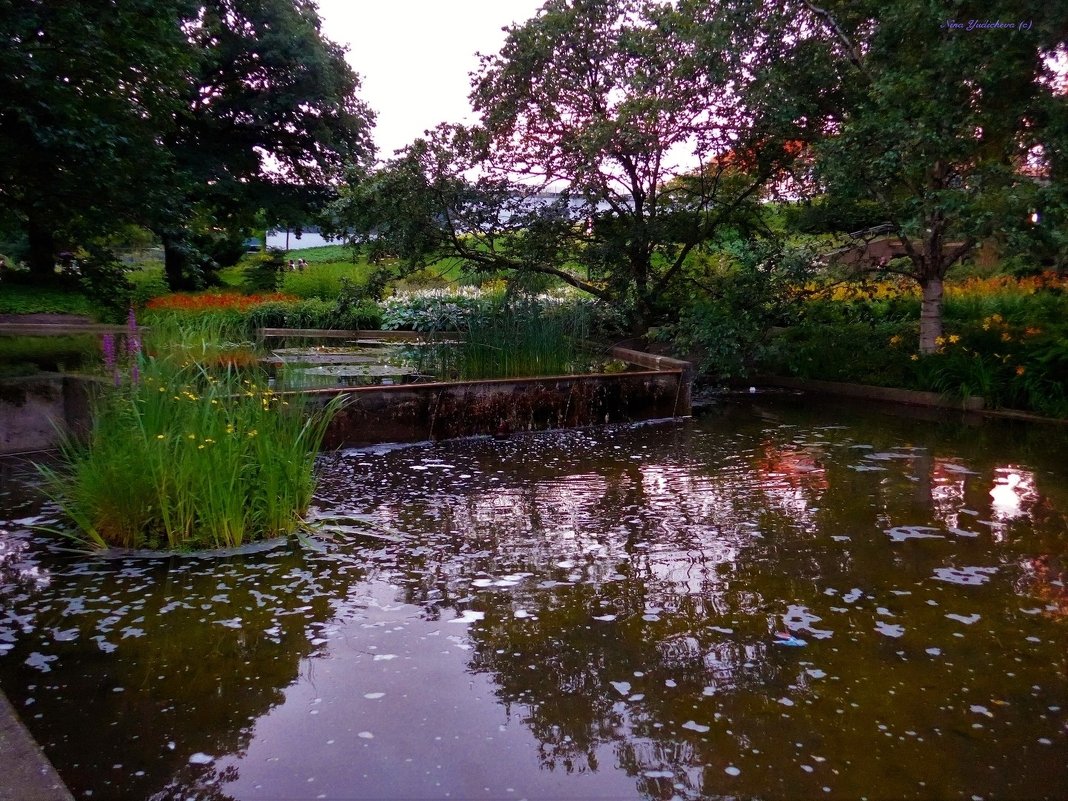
(1013, 493)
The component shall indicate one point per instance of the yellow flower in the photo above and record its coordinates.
(915, 357)
(1020, 369)
(190, 436)
(252, 433)
(1006, 336)
(159, 436)
(940, 341)
(895, 339)
(953, 339)
(229, 429)
(1032, 331)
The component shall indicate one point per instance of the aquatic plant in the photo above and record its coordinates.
(189, 457)
(507, 340)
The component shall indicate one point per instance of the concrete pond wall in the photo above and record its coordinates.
(35, 409)
(418, 412)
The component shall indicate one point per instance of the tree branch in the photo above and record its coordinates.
(851, 50)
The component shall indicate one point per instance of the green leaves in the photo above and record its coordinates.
(167, 114)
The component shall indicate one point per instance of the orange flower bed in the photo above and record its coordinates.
(896, 287)
(214, 301)
(1001, 284)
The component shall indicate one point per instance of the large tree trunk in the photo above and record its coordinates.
(931, 314)
(42, 253)
(174, 263)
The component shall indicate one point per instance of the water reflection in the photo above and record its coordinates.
(785, 604)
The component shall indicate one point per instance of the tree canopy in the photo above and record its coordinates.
(186, 117)
(89, 88)
(950, 124)
(615, 138)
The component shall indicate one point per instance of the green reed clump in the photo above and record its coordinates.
(188, 457)
(511, 339)
(522, 339)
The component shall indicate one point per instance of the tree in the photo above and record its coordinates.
(183, 116)
(270, 105)
(947, 112)
(615, 139)
(88, 91)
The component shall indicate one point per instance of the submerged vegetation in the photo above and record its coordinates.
(183, 454)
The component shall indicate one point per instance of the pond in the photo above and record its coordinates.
(309, 363)
(27, 355)
(778, 599)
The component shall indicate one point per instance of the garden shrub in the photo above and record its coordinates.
(264, 272)
(1006, 339)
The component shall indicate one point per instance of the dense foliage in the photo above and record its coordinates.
(593, 118)
(1005, 340)
(182, 116)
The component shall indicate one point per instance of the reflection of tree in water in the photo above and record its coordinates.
(580, 684)
(156, 661)
(697, 547)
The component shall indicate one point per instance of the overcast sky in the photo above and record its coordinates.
(415, 56)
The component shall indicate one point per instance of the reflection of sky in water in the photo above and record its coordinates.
(1013, 493)
(732, 607)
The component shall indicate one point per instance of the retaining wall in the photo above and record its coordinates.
(418, 412)
(34, 410)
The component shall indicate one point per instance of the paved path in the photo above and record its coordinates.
(25, 772)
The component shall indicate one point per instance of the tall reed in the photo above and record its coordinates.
(512, 339)
(190, 457)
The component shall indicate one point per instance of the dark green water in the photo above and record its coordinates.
(585, 614)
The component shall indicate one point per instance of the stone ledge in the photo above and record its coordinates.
(908, 397)
(27, 774)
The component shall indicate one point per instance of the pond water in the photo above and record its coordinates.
(775, 600)
(310, 363)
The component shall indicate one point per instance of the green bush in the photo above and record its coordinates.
(148, 282)
(314, 314)
(263, 272)
(749, 294)
(434, 310)
(322, 281)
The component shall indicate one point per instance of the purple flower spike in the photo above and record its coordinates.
(108, 346)
(131, 320)
(116, 377)
(134, 374)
